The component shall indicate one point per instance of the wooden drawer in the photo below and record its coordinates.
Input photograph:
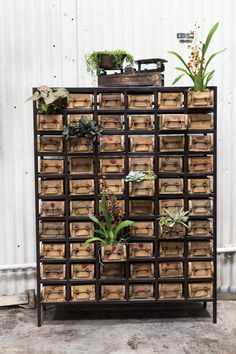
(171, 205)
(51, 187)
(141, 207)
(200, 121)
(112, 165)
(112, 143)
(142, 144)
(140, 101)
(54, 293)
(200, 228)
(201, 207)
(51, 229)
(52, 250)
(80, 145)
(80, 100)
(115, 253)
(80, 250)
(141, 249)
(82, 271)
(140, 122)
(173, 121)
(112, 270)
(49, 122)
(79, 165)
(200, 269)
(111, 122)
(171, 143)
(115, 186)
(81, 186)
(170, 100)
(170, 291)
(141, 291)
(178, 231)
(81, 207)
(142, 229)
(75, 118)
(200, 249)
(201, 143)
(170, 185)
(141, 270)
(170, 164)
(141, 164)
(113, 292)
(51, 166)
(52, 208)
(83, 292)
(50, 144)
(144, 188)
(170, 269)
(81, 229)
(111, 101)
(171, 249)
(200, 290)
(200, 185)
(52, 271)
(203, 164)
(200, 99)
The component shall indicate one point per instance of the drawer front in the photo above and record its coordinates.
(200, 99)
(52, 250)
(112, 165)
(81, 229)
(171, 205)
(140, 101)
(200, 164)
(141, 249)
(113, 253)
(170, 100)
(80, 250)
(80, 100)
(83, 292)
(200, 269)
(173, 121)
(81, 186)
(113, 292)
(178, 231)
(170, 186)
(171, 143)
(51, 166)
(112, 270)
(112, 143)
(201, 185)
(171, 249)
(82, 271)
(141, 207)
(115, 186)
(170, 164)
(200, 290)
(200, 121)
(141, 291)
(50, 144)
(81, 208)
(142, 270)
(112, 122)
(49, 122)
(144, 188)
(201, 143)
(140, 122)
(52, 229)
(111, 101)
(53, 293)
(52, 208)
(142, 144)
(170, 291)
(52, 271)
(200, 249)
(171, 269)
(80, 145)
(201, 207)
(141, 164)
(51, 187)
(200, 228)
(81, 165)
(142, 229)
(75, 118)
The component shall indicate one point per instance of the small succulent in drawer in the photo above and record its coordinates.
(83, 128)
(136, 176)
(174, 218)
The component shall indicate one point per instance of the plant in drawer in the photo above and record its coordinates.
(173, 224)
(141, 183)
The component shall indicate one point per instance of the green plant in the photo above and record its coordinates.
(83, 128)
(196, 67)
(50, 100)
(136, 176)
(93, 60)
(179, 217)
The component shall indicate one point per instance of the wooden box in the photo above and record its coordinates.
(142, 144)
(115, 186)
(169, 164)
(142, 229)
(200, 121)
(81, 229)
(141, 122)
(79, 165)
(113, 292)
(81, 186)
(112, 270)
(173, 122)
(200, 99)
(80, 145)
(80, 250)
(171, 185)
(52, 166)
(52, 250)
(112, 143)
(112, 165)
(141, 249)
(81, 207)
(141, 207)
(171, 269)
(171, 143)
(142, 270)
(170, 100)
(116, 253)
(200, 269)
(200, 228)
(80, 100)
(200, 290)
(52, 271)
(85, 292)
(171, 249)
(141, 291)
(201, 185)
(111, 122)
(144, 188)
(51, 229)
(141, 164)
(200, 249)
(50, 144)
(170, 291)
(82, 271)
(140, 101)
(111, 101)
(75, 118)
(51, 187)
(49, 122)
(201, 143)
(202, 164)
(52, 208)
(171, 205)
(201, 207)
(54, 293)
(178, 231)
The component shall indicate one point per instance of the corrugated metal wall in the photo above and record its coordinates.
(44, 42)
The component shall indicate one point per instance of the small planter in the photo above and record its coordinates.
(50, 144)
(144, 188)
(80, 145)
(83, 292)
(178, 231)
(81, 207)
(200, 269)
(200, 228)
(112, 165)
(52, 271)
(171, 269)
(54, 293)
(200, 249)
(51, 187)
(141, 164)
(173, 121)
(111, 101)
(201, 207)
(172, 291)
(203, 164)
(52, 250)
(107, 62)
(113, 292)
(202, 143)
(142, 270)
(81, 165)
(141, 291)
(81, 186)
(171, 249)
(52, 208)
(200, 121)
(200, 290)
(82, 271)
(115, 253)
(200, 99)
(140, 122)
(171, 205)
(142, 144)
(112, 143)
(112, 270)
(170, 186)
(170, 164)
(80, 100)
(116, 186)
(141, 249)
(49, 122)
(142, 229)
(81, 229)
(111, 122)
(49, 166)
(202, 185)
(171, 143)
(140, 101)
(141, 207)
(80, 250)
(51, 229)
(170, 100)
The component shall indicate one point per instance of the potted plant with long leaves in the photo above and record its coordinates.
(173, 224)
(197, 69)
(141, 183)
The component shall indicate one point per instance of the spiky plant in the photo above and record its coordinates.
(179, 217)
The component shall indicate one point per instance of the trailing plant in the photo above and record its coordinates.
(197, 65)
(136, 176)
(83, 128)
(93, 60)
(50, 100)
(179, 217)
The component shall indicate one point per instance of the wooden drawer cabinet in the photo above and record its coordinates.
(112, 270)
(170, 291)
(52, 271)
(141, 207)
(200, 290)
(171, 249)
(141, 270)
(111, 122)
(52, 208)
(169, 164)
(81, 186)
(81, 207)
(51, 187)
(113, 292)
(170, 100)
(82, 271)
(52, 250)
(170, 185)
(50, 144)
(173, 122)
(171, 143)
(200, 249)
(84, 292)
(54, 293)
(200, 121)
(201, 207)
(200, 99)
(144, 188)
(49, 122)
(80, 145)
(141, 291)
(178, 231)
(51, 229)
(112, 165)
(140, 122)
(142, 144)
(80, 101)
(170, 269)
(81, 165)
(141, 164)
(81, 229)
(200, 269)
(80, 250)
(75, 118)
(141, 249)
(115, 253)
(52, 166)
(203, 164)
(142, 229)
(140, 101)
(111, 101)
(200, 186)
(201, 143)
(115, 185)
(171, 205)
(199, 228)
(112, 143)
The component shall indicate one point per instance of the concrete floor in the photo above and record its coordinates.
(120, 331)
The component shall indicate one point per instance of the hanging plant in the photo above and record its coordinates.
(83, 128)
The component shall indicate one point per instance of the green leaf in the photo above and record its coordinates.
(94, 239)
(122, 225)
(209, 77)
(212, 56)
(177, 79)
(208, 39)
(181, 59)
(96, 221)
(186, 72)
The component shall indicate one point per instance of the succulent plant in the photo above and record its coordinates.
(83, 128)
(174, 218)
(136, 176)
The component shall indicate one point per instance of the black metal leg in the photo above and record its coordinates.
(39, 314)
(214, 311)
(204, 304)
